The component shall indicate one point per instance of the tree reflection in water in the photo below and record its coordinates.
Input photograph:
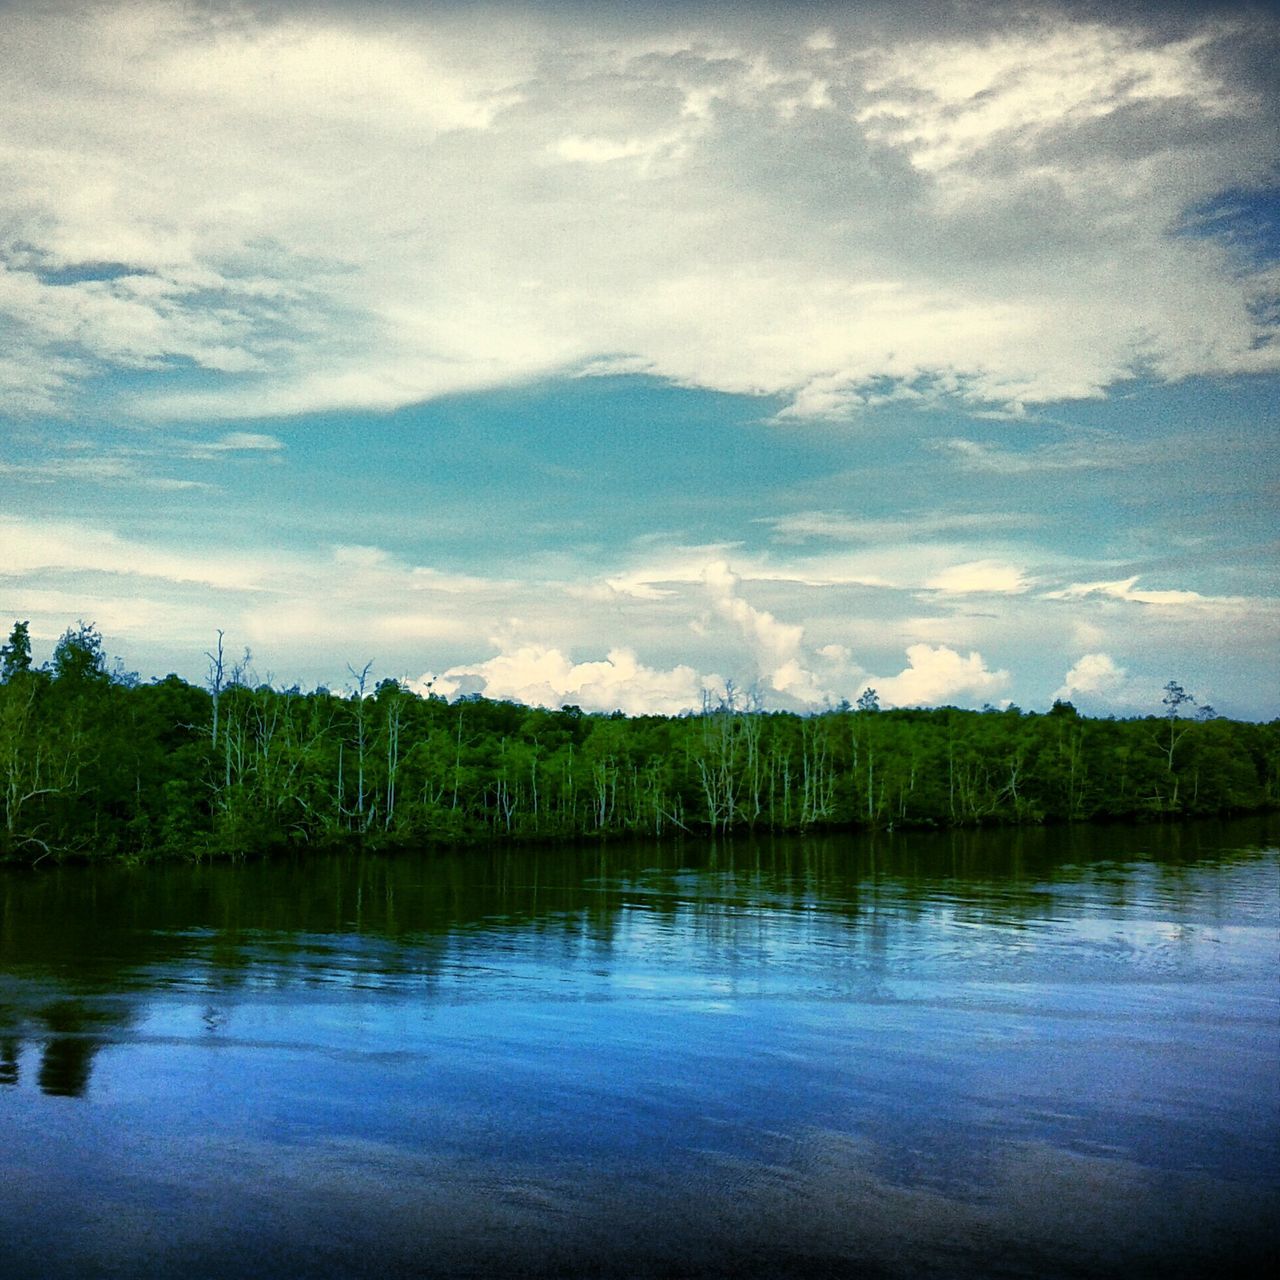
(1037, 1053)
(9, 1047)
(70, 1033)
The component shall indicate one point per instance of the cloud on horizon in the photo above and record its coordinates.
(692, 619)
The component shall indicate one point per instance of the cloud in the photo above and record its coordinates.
(41, 547)
(119, 470)
(140, 463)
(545, 677)
(243, 442)
(777, 646)
(270, 596)
(1094, 675)
(979, 576)
(1085, 451)
(802, 526)
(1097, 684)
(1126, 589)
(318, 209)
(937, 674)
(803, 632)
(948, 104)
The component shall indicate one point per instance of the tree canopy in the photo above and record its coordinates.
(94, 763)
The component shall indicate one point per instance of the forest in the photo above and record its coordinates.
(97, 764)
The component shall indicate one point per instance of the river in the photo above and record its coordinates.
(1015, 1053)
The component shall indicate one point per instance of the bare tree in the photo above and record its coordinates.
(215, 681)
(361, 679)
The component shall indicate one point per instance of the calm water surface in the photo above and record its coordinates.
(1011, 1054)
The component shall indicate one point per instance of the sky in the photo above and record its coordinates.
(617, 354)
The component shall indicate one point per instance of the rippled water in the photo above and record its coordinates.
(1024, 1054)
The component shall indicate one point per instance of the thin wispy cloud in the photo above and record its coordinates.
(112, 471)
(244, 442)
(232, 444)
(1127, 589)
(141, 462)
(802, 526)
(1088, 454)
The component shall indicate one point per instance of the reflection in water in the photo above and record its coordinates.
(97, 926)
(1021, 1053)
(76, 1030)
(69, 1033)
(9, 1046)
(64, 1068)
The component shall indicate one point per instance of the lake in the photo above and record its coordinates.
(1014, 1053)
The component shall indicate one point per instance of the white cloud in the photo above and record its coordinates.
(1095, 675)
(979, 576)
(244, 442)
(1084, 451)
(140, 462)
(545, 677)
(798, 632)
(321, 210)
(802, 526)
(937, 674)
(1127, 589)
(1098, 685)
(108, 470)
(777, 646)
(339, 598)
(33, 547)
(946, 105)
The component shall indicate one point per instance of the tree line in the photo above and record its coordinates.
(96, 763)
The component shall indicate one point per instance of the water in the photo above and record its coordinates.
(1008, 1054)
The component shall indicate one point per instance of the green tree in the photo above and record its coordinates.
(78, 655)
(1175, 697)
(15, 656)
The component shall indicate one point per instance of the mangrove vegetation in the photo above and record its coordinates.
(95, 763)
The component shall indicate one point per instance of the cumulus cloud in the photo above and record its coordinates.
(1096, 676)
(777, 646)
(801, 633)
(320, 208)
(937, 674)
(545, 677)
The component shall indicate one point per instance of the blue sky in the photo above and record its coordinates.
(605, 354)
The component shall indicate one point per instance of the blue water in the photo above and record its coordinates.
(1018, 1054)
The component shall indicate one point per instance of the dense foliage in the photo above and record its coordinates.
(95, 763)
